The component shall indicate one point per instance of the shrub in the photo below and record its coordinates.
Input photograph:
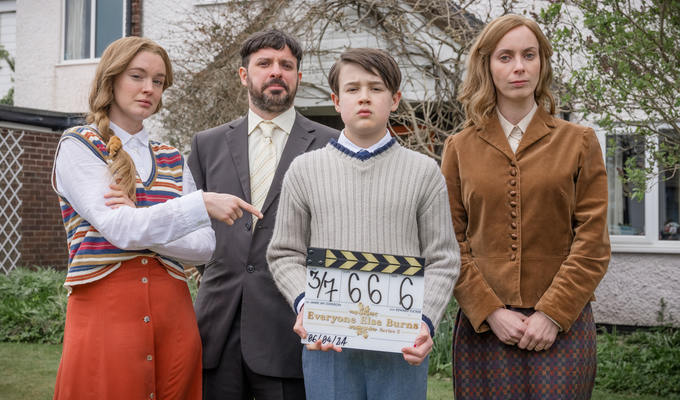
(32, 306)
(440, 357)
(645, 362)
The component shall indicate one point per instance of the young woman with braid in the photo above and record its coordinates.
(132, 217)
(528, 196)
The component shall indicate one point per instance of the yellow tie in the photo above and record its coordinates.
(264, 167)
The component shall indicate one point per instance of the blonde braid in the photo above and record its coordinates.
(120, 163)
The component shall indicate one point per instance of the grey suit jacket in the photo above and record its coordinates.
(238, 274)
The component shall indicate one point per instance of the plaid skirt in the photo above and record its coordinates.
(486, 368)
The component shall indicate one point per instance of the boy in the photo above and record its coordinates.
(364, 192)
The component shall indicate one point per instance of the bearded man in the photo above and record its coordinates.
(249, 347)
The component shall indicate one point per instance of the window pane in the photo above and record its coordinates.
(77, 29)
(669, 207)
(109, 24)
(625, 215)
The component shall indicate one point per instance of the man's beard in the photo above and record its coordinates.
(272, 103)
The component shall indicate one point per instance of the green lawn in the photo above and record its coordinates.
(29, 370)
(441, 389)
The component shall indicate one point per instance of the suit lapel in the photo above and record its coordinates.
(539, 126)
(493, 134)
(301, 136)
(237, 140)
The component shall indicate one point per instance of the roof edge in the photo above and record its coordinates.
(55, 120)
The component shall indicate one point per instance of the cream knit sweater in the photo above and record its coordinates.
(393, 202)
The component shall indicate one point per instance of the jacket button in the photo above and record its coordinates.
(513, 257)
(250, 268)
(513, 225)
(512, 163)
(513, 204)
(513, 214)
(513, 236)
(513, 182)
(513, 193)
(513, 247)
(249, 226)
(513, 172)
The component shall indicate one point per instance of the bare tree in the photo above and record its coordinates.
(429, 38)
(207, 90)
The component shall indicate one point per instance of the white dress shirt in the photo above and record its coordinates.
(349, 145)
(179, 228)
(522, 125)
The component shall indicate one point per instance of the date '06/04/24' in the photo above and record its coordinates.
(363, 300)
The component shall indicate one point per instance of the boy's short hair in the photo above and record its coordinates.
(269, 39)
(374, 61)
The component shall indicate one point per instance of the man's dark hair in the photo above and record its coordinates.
(374, 61)
(270, 39)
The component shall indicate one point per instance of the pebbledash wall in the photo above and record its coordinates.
(639, 289)
(39, 238)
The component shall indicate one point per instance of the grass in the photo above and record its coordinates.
(442, 389)
(29, 371)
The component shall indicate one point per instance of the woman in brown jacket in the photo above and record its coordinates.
(528, 195)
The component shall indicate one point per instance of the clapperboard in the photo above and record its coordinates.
(363, 300)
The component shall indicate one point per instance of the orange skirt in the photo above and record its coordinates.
(131, 335)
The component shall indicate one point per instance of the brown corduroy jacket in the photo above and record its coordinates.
(532, 226)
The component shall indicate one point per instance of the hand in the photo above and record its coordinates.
(227, 208)
(416, 355)
(507, 325)
(540, 333)
(302, 332)
(117, 198)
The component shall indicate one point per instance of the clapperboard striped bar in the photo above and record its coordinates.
(367, 262)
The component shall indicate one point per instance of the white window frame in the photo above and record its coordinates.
(93, 33)
(649, 242)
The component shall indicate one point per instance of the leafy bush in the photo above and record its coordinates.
(645, 362)
(32, 306)
(440, 357)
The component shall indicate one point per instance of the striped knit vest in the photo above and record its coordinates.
(91, 256)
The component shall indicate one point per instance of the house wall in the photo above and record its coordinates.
(640, 289)
(43, 240)
(8, 42)
(42, 79)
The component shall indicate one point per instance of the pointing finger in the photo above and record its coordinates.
(250, 208)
